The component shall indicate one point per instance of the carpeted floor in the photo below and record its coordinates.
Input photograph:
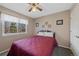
(58, 51)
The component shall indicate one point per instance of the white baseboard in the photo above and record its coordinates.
(4, 51)
(74, 50)
(64, 46)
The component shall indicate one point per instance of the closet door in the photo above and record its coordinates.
(74, 29)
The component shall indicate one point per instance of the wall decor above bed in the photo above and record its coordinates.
(43, 26)
(37, 24)
(46, 23)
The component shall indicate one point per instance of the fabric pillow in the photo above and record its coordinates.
(49, 34)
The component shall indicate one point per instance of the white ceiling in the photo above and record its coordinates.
(48, 8)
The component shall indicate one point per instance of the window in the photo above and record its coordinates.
(13, 25)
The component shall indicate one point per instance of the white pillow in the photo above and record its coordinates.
(41, 33)
(49, 34)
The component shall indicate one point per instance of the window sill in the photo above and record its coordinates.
(9, 34)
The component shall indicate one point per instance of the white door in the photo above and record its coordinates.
(74, 29)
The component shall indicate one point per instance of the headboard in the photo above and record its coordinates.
(46, 33)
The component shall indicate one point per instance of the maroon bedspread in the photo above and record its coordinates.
(33, 46)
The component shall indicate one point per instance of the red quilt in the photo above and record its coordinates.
(33, 46)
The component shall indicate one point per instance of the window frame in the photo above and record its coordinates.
(3, 26)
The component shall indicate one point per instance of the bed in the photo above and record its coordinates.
(38, 45)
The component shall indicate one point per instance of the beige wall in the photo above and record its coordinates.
(6, 41)
(62, 31)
